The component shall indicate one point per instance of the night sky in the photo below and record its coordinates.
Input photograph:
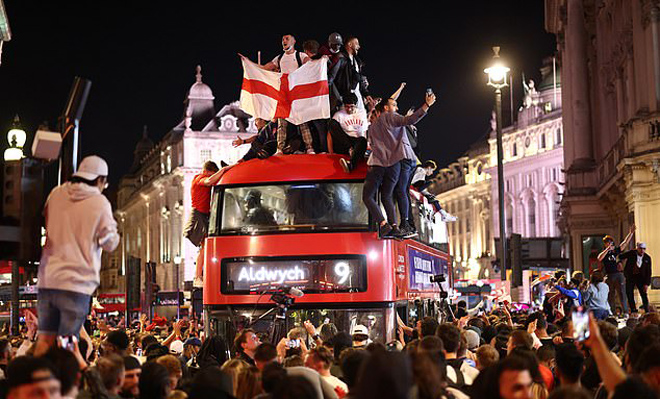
(141, 60)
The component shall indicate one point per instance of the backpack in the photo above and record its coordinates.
(298, 60)
(460, 383)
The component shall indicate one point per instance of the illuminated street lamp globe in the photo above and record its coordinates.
(16, 138)
(497, 72)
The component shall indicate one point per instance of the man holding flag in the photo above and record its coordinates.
(298, 94)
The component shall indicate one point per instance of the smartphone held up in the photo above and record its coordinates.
(580, 318)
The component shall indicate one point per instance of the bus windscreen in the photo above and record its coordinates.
(326, 274)
(299, 207)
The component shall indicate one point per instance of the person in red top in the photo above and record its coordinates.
(198, 224)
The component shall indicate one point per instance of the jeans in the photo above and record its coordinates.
(617, 283)
(383, 178)
(600, 314)
(402, 190)
(62, 312)
(631, 284)
(320, 134)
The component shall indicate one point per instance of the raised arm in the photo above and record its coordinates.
(601, 255)
(215, 178)
(610, 372)
(398, 91)
(626, 241)
(398, 120)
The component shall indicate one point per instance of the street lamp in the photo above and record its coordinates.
(497, 79)
(177, 263)
(16, 138)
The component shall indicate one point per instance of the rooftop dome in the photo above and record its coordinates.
(142, 148)
(199, 90)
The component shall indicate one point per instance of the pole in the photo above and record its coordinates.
(500, 180)
(15, 299)
(178, 293)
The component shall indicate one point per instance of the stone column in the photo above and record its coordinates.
(576, 51)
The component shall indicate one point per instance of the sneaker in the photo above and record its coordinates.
(394, 233)
(310, 152)
(198, 282)
(345, 164)
(447, 217)
(384, 230)
(408, 232)
(278, 152)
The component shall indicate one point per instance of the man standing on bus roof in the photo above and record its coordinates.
(198, 224)
(287, 62)
(389, 145)
(79, 224)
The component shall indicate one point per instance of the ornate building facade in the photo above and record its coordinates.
(533, 163)
(153, 200)
(610, 50)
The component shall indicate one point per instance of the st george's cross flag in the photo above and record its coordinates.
(298, 97)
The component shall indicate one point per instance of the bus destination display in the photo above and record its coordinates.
(256, 275)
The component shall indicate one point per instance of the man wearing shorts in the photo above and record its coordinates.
(79, 224)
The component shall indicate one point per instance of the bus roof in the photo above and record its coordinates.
(285, 168)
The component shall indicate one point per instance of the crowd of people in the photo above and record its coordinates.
(501, 353)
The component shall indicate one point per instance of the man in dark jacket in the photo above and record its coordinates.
(638, 274)
(346, 76)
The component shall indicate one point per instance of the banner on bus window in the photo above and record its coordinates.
(422, 267)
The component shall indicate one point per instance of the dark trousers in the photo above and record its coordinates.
(631, 284)
(383, 178)
(319, 128)
(269, 147)
(402, 190)
(344, 144)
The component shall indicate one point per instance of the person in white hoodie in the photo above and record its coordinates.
(79, 224)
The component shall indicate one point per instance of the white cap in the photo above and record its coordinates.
(360, 329)
(641, 245)
(92, 167)
(176, 347)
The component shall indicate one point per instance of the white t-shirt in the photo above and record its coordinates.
(355, 124)
(289, 63)
(419, 175)
(336, 382)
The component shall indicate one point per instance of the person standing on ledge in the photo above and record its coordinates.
(79, 224)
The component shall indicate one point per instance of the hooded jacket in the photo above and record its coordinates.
(79, 224)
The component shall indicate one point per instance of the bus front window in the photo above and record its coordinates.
(292, 207)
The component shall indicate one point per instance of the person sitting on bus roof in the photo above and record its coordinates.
(420, 182)
(263, 144)
(257, 214)
(347, 133)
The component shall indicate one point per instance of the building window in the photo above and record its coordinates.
(514, 150)
(531, 216)
(205, 155)
(509, 218)
(558, 136)
(542, 145)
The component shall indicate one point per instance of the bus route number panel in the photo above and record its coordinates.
(328, 274)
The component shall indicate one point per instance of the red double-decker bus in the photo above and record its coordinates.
(299, 221)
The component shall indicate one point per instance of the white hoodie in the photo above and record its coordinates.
(79, 223)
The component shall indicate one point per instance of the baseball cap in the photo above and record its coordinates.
(360, 330)
(176, 347)
(21, 371)
(92, 167)
(193, 341)
(131, 363)
(472, 339)
(641, 245)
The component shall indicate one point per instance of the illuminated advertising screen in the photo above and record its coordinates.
(422, 267)
(327, 274)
